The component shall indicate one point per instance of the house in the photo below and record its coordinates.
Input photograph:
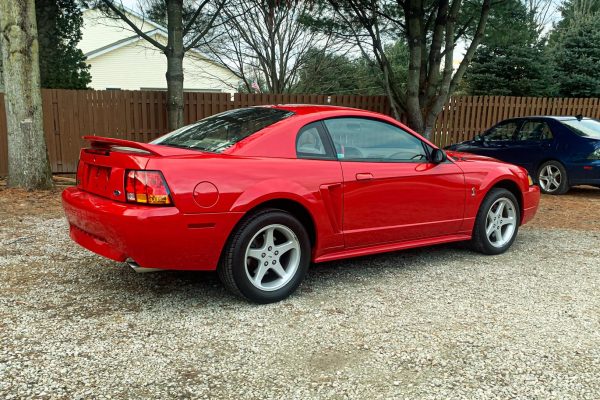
(122, 60)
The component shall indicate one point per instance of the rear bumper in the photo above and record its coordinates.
(585, 173)
(531, 201)
(154, 237)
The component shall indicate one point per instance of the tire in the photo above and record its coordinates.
(552, 178)
(493, 233)
(254, 264)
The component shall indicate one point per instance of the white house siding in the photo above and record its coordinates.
(139, 66)
(130, 63)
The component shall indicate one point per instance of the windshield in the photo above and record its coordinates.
(221, 131)
(585, 127)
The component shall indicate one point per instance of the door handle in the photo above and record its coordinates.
(364, 176)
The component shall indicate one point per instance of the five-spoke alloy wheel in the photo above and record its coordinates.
(552, 178)
(272, 257)
(501, 222)
(266, 257)
(497, 222)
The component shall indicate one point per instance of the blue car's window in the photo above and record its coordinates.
(221, 131)
(585, 127)
(534, 131)
(502, 131)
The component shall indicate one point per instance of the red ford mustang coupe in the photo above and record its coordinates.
(259, 193)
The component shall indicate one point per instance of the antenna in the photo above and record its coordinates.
(579, 117)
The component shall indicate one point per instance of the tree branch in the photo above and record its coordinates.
(133, 26)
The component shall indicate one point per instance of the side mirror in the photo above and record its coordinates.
(438, 156)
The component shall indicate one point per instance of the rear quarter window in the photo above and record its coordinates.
(585, 127)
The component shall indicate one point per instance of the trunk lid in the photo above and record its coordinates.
(102, 166)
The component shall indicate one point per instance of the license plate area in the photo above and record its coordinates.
(97, 179)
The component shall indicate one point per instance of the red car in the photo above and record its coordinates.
(259, 193)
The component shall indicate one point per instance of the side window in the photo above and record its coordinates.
(505, 131)
(311, 143)
(535, 131)
(360, 139)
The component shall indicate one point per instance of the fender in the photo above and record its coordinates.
(478, 184)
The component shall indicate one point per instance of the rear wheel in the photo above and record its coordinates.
(497, 222)
(552, 178)
(267, 257)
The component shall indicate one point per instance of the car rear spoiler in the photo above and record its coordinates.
(108, 144)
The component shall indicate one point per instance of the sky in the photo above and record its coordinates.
(553, 16)
(553, 13)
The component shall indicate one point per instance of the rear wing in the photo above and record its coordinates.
(108, 144)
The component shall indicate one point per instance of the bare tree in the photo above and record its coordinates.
(431, 29)
(263, 41)
(28, 165)
(181, 37)
(544, 11)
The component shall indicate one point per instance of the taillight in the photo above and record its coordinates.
(147, 187)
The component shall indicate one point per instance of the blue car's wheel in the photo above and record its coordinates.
(552, 178)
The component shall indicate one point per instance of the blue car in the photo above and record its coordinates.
(558, 152)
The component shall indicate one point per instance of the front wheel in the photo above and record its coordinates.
(497, 222)
(552, 177)
(267, 257)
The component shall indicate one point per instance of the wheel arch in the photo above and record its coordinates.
(543, 161)
(287, 204)
(295, 208)
(512, 187)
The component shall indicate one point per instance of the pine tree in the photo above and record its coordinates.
(577, 58)
(512, 60)
(575, 49)
(62, 64)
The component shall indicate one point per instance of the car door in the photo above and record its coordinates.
(532, 144)
(391, 191)
(497, 140)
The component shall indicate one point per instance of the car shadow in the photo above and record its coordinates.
(583, 191)
(201, 286)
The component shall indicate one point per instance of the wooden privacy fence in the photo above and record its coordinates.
(141, 115)
(465, 116)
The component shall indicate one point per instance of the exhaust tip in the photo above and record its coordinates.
(141, 270)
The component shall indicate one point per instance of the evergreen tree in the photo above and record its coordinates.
(512, 60)
(575, 49)
(62, 64)
(576, 54)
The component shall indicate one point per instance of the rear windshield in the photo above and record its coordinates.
(221, 131)
(585, 127)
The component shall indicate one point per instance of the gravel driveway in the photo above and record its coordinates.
(439, 322)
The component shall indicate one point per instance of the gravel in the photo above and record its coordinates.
(439, 322)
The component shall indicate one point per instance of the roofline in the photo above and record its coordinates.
(117, 45)
(136, 14)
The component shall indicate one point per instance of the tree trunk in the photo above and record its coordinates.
(174, 53)
(415, 118)
(28, 165)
